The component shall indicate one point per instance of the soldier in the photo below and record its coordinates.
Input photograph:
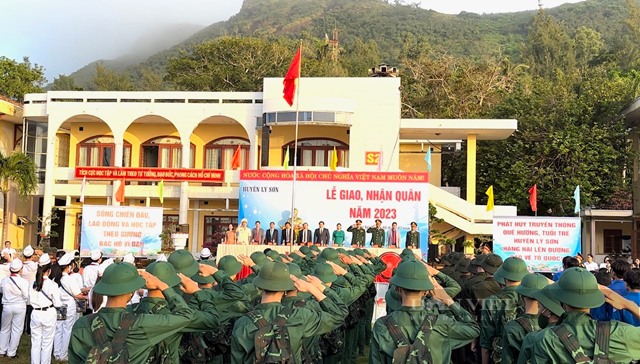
(514, 331)
(358, 234)
(487, 286)
(377, 234)
(577, 290)
(138, 332)
(413, 237)
(549, 312)
(462, 274)
(274, 280)
(205, 315)
(500, 308)
(412, 331)
(453, 261)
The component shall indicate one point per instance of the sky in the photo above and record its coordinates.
(65, 35)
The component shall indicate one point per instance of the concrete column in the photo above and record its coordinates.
(184, 186)
(195, 227)
(48, 198)
(471, 168)
(117, 162)
(253, 151)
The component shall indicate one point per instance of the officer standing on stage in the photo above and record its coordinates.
(413, 237)
(377, 234)
(358, 234)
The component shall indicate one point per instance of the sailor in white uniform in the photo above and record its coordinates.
(44, 295)
(90, 273)
(15, 296)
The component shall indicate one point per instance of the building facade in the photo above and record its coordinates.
(359, 117)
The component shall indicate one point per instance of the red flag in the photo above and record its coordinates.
(291, 79)
(534, 197)
(120, 192)
(235, 162)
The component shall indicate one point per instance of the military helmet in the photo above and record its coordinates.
(230, 265)
(204, 280)
(412, 275)
(295, 270)
(184, 262)
(577, 287)
(530, 283)
(463, 265)
(514, 269)
(407, 251)
(118, 279)
(325, 273)
(314, 248)
(274, 255)
(497, 276)
(545, 298)
(259, 258)
(164, 272)
(491, 263)
(306, 251)
(274, 276)
(359, 252)
(329, 255)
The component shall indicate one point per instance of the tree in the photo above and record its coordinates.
(17, 170)
(65, 83)
(107, 79)
(20, 78)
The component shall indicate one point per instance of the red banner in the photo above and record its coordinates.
(150, 174)
(336, 176)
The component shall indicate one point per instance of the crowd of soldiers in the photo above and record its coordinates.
(317, 306)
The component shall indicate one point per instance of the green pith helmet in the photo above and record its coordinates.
(118, 279)
(284, 258)
(274, 255)
(274, 277)
(204, 280)
(472, 268)
(296, 258)
(497, 276)
(412, 275)
(577, 287)
(545, 297)
(184, 262)
(530, 283)
(366, 251)
(351, 253)
(295, 270)
(306, 251)
(230, 265)
(491, 263)
(314, 248)
(455, 258)
(341, 251)
(359, 252)
(164, 272)
(514, 269)
(477, 261)
(329, 255)
(408, 258)
(258, 258)
(407, 252)
(325, 273)
(463, 265)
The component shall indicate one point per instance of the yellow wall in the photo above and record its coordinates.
(414, 162)
(206, 133)
(6, 137)
(601, 226)
(281, 135)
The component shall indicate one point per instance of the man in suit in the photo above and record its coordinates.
(257, 234)
(305, 236)
(321, 235)
(393, 236)
(288, 235)
(271, 236)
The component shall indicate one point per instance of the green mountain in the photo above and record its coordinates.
(389, 24)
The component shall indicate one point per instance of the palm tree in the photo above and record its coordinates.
(17, 170)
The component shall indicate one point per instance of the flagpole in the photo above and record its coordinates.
(295, 148)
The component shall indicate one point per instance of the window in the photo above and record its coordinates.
(218, 154)
(215, 228)
(317, 152)
(164, 152)
(612, 241)
(170, 222)
(99, 151)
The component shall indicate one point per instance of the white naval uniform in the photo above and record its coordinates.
(43, 320)
(63, 328)
(14, 308)
(90, 275)
(29, 270)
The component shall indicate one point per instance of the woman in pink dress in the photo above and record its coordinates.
(230, 235)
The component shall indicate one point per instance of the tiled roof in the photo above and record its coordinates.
(3, 98)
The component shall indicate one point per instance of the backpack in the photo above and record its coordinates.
(356, 311)
(332, 343)
(200, 347)
(510, 314)
(160, 353)
(272, 343)
(105, 350)
(406, 352)
(600, 349)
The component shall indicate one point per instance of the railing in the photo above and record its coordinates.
(153, 97)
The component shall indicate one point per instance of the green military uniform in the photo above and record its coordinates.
(205, 315)
(514, 331)
(446, 332)
(147, 331)
(546, 302)
(338, 237)
(393, 301)
(461, 268)
(498, 309)
(302, 323)
(488, 286)
(413, 239)
(358, 236)
(377, 236)
(578, 288)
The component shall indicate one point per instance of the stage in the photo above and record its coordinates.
(236, 249)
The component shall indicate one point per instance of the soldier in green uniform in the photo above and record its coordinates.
(205, 282)
(205, 315)
(500, 308)
(487, 286)
(119, 282)
(358, 234)
(578, 292)
(413, 237)
(453, 263)
(549, 312)
(274, 280)
(514, 331)
(413, 323)
(377, 234)
(462, 274)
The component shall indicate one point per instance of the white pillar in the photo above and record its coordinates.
(117, 162)
(47, 200)
(253, 151)
(196, 226)
(184, 186)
